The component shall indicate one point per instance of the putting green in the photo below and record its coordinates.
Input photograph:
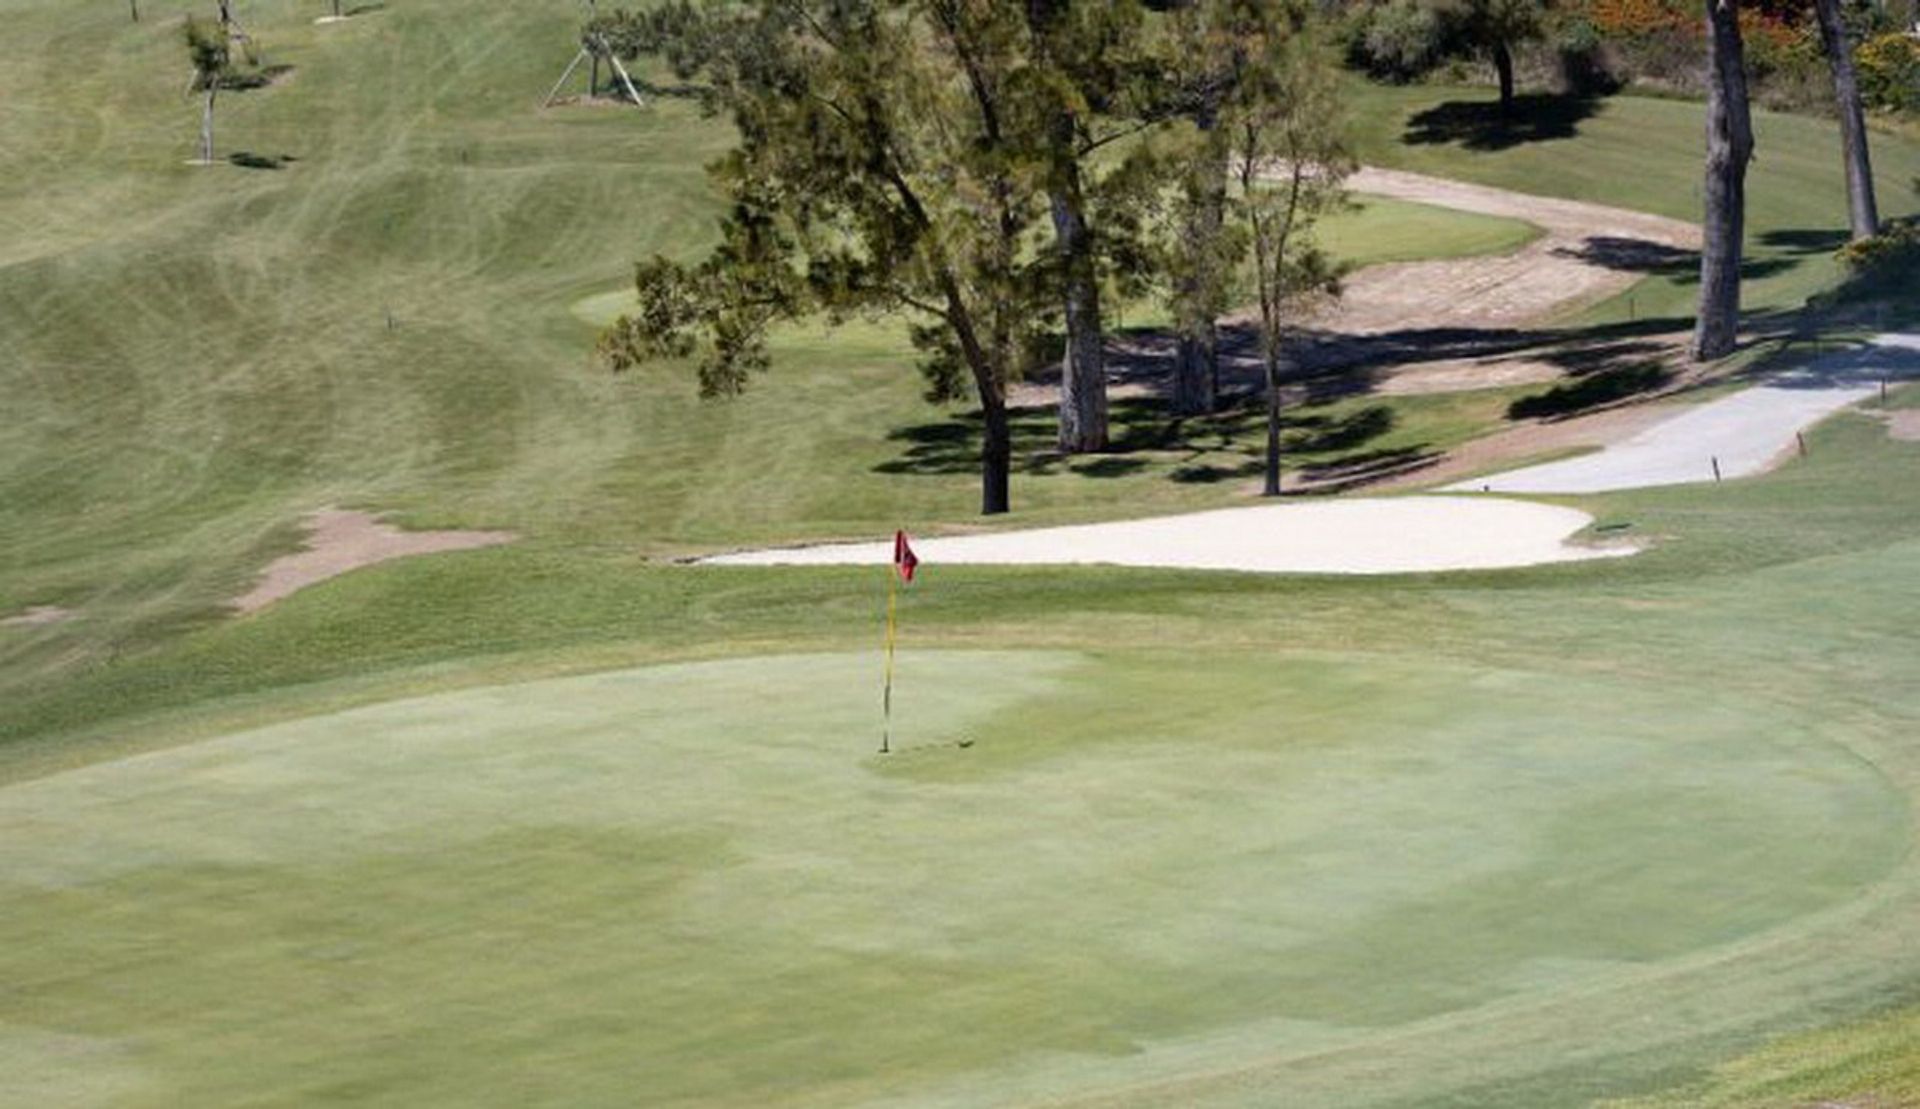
(698, 883)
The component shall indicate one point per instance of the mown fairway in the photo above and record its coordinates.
(562, 823)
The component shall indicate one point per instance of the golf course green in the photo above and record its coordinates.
(1078, 872)
(567, 822)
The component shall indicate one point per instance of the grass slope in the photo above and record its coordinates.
(1642, 153)
(1280, 852)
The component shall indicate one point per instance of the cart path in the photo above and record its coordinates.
(1746, 433)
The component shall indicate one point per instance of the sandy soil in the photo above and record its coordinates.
(339, 541)
(1904, 424)
(1447, 325)
(1369, 536)
(1588, 252)
(37, 616)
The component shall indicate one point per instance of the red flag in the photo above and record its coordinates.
(904, 560)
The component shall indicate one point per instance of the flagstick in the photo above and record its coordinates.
(886, 699)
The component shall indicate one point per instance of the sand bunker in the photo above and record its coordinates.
(1391, 535)
(339, 541)
(37, 616)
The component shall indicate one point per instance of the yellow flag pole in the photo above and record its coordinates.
(886, 698)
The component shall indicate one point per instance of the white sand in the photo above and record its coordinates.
(1387, 535)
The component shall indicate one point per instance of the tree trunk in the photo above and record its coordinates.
(206, 121)
(135, 5)
(1083, 371)
(1503, 64)
(996, 458)
(1729, 149)
(1196, 371)
(1272, 486)
(1863, 215)
(593, 79)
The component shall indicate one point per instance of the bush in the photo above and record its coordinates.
(1889, 67)
(1395, 40)
(1889, 262)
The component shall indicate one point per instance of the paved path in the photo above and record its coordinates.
(1747, 432)
(1384, 535)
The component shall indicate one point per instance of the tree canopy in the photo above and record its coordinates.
(950, 160)
(875, 173)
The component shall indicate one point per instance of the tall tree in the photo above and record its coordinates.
(873, 174)
(210, 49)
(1286, 122)
(1205, 260)
(1729, 149)
(1070, 49)
(1206, 58)
(1863, 214)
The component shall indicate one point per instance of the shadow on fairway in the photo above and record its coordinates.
(247, 159)
(1143, 433)
(1481, 125)
(1683, 266)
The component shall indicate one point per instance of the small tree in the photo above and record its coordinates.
(210, 48)
(1497, 26)
(1405, 38)
(1286, 121)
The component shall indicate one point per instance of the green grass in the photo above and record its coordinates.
(1869, 1064)
(1620, 821)
(1381, 229)
(1644, 153)
(700, 881)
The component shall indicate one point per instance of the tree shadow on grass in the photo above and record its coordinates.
(247, 159)
(1225, 445)
(1683, 266)
(257, 77)
(1480, 125)
(1591, 390)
